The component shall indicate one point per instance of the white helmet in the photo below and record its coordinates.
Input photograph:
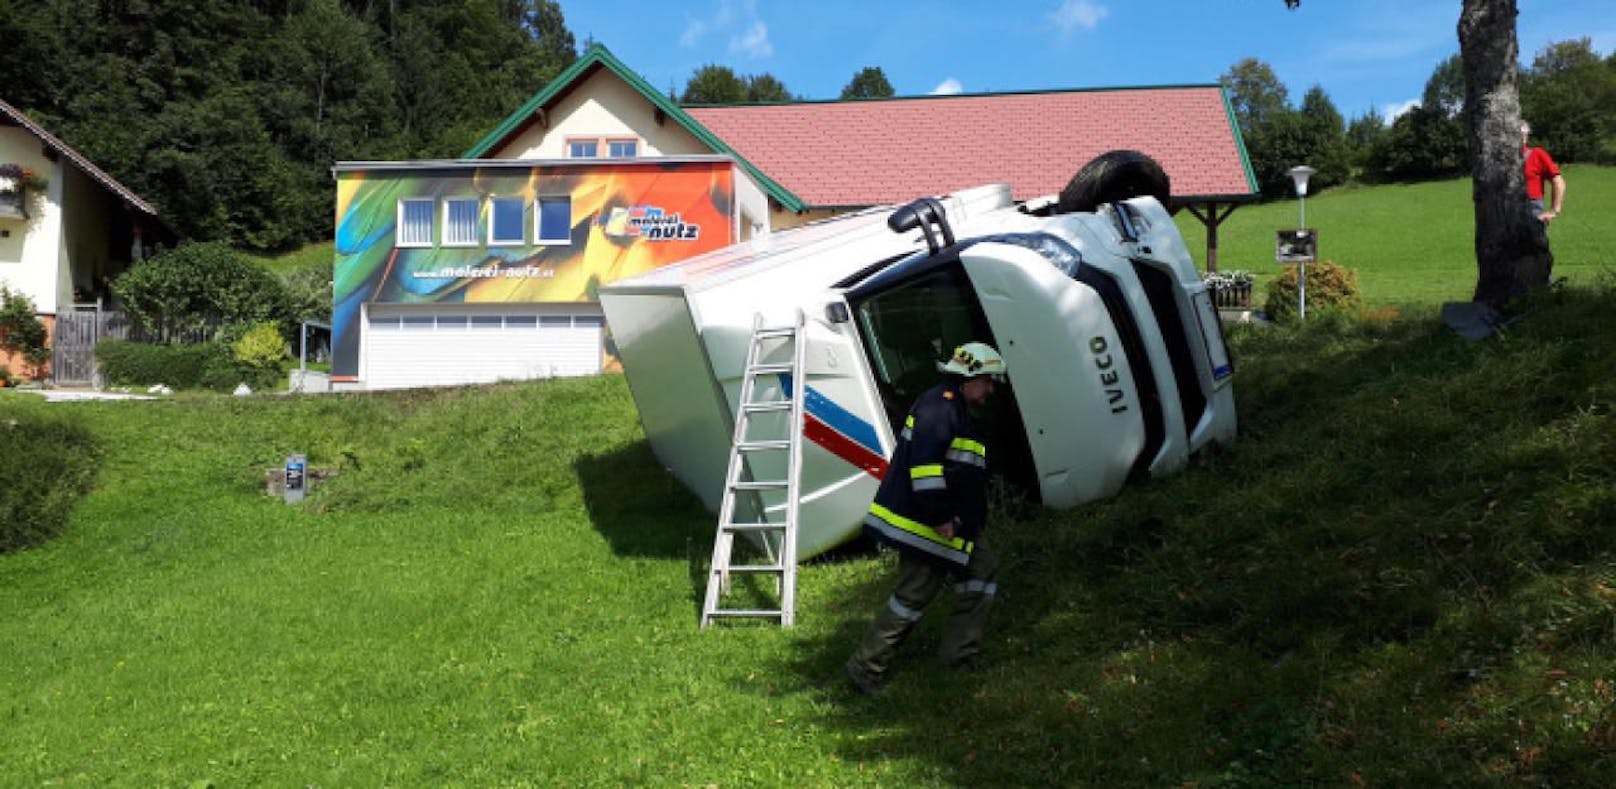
(973, 359)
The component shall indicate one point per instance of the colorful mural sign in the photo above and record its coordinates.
(626, 218)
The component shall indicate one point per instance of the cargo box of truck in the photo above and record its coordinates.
(1117, 363)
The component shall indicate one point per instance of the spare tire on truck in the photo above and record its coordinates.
(1113, 176)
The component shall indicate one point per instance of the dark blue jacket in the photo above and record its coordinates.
(937, 475)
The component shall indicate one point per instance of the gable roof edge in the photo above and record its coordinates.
(598, 55)
(95, 173)
(1239, 140)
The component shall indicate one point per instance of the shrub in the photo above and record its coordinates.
(47, 465)
(1329, 287)
(308, 293)
(179, 290)
(21, 330)
(127, 363)
(260, 350)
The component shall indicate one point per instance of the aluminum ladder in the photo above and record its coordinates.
(778, 538)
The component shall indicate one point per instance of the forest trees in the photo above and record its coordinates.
(1279, 137)
(715, 84)
(227, 114)
(1569, 94)
(869, 83)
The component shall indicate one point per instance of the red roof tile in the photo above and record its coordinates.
(857, 153)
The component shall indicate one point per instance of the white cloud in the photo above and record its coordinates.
(1392, 112)
(693, 33)
(948, 87)
(737, 19)
(754, 42)
(1075, 14)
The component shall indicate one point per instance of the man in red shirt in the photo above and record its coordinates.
(1540, 168)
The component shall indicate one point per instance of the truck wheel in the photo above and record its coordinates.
(1113, 176)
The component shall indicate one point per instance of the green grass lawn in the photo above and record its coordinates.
(1403, 575)
(1412, 244)
(310, 256)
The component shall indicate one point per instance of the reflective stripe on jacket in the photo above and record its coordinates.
(937, 474)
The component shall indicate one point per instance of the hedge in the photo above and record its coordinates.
(209, 365)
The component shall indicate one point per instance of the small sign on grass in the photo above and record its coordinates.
(296, 478)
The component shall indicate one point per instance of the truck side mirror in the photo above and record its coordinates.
(923, 213)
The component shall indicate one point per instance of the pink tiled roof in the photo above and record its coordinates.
(857, 153)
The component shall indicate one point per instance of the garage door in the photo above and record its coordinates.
(405, 346)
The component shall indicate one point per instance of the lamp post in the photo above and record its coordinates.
(1300, 174)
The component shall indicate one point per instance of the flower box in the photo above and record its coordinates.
(13, 203)
(15, 181)
(1230, 290)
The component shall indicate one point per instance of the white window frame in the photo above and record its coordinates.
(398, 234)
(448, 226)
(494, 240)
(538, 221)
(603, 146)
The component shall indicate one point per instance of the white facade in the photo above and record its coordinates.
(33, 251)
(601, 106)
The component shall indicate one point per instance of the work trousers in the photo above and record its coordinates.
(919, 582)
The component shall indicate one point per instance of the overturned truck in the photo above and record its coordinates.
(1118, 367)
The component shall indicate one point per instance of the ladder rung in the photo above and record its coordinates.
(766, 484)
(738, 612)
(773, 332)
(755, 526)
(753, 446)
(782, 405)
(768, 369)
(751, 568)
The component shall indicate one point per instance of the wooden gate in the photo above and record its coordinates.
(73, 347)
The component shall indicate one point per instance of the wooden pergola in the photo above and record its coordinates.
(1212, 211)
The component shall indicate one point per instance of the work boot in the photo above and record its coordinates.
(866, 683)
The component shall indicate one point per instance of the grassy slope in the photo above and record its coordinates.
(1414, 243)
(1404, 574)
(310, 256)
(186, 627)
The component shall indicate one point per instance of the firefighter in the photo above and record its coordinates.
(931, 506)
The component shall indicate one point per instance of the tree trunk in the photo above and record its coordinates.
(1512, 247)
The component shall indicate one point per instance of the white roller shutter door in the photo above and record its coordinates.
(408, 345)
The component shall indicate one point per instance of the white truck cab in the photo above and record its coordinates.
(1117, 363)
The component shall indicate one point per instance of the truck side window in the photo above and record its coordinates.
(909, 328)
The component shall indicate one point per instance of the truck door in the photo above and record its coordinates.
(909, 319)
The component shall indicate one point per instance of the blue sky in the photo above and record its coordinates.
(1366, 53)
